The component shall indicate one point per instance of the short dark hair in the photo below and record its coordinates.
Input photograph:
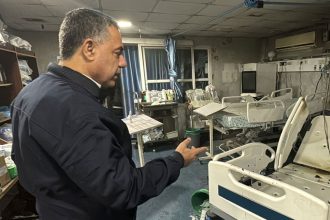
(80, 24)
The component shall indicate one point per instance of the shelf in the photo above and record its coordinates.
(5, 84)
(7, 47)
(19, 51)
(161, 140)
(9, 56)
(3, 141)
(7, 187)
(24, 53)
(4, 120)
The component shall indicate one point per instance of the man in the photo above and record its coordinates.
(73, 154)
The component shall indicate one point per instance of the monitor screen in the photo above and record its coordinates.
(249, 79)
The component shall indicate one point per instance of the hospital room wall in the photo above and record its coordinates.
(227, 54)
(44, 44)
(302, 83)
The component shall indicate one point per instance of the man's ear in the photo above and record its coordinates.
(88, 49)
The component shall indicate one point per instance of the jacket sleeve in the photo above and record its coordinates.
(92, 157)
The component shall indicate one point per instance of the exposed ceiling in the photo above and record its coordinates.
(228, 18)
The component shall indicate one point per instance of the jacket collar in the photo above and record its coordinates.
(76, 78)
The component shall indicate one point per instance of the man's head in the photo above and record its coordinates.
(90, 42)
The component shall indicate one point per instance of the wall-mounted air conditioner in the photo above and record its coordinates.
(295, 42)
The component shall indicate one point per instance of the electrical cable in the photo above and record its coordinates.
(323, 112)
(317, 85)
(323, 72)
(300, 83)
(286, 77)
(278, 80)
(290, 84)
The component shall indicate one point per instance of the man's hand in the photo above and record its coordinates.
(189, 154)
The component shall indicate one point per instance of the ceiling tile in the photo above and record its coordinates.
(315, 10)
(224, 16)
(201, 33)
(129, 5)
(227, 2)
(192, 1)
(131, 30)
(154, 17)
(51, 27)
(124, 15)
(255, 12)
(36, 27)
(238, 22)
(289, 16)
(147, 30)
(51, 19)
(250, 34)
(198, 19)
(222, 29)
(178, 8)
(160, 25)
(159, 17)
(305, 1)
(59, 10)
(193, 27)
(23, 11)
(279, 7)
(71, 3)
(213, 10)
(23, 2)
(188, 26)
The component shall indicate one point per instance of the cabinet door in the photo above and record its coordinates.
(266, 78)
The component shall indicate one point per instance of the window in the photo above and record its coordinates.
(183, 66)
(156, 74)
(191, 64)
(201, 60)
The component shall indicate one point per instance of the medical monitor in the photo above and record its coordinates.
(249, 82)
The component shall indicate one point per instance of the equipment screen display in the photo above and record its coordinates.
(249, 79)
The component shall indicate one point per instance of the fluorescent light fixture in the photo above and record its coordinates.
(124, 24)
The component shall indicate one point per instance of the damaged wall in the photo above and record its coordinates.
(227, 56)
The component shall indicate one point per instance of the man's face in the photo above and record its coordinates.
(110, 59)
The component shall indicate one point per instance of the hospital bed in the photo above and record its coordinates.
(261, 184)
(245, 112)
(252, 117)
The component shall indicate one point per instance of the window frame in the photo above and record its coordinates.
(143, 43)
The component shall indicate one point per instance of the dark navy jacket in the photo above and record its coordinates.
(74, 155)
